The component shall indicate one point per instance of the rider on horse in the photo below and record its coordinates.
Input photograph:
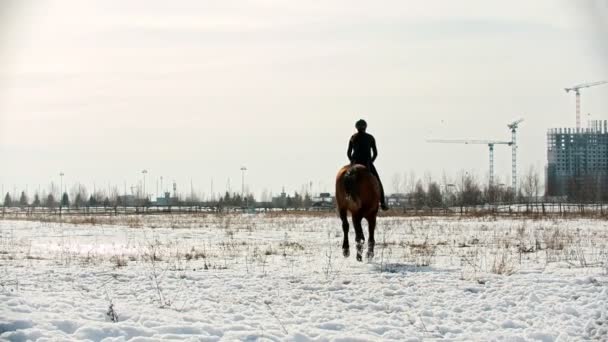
(362, 150)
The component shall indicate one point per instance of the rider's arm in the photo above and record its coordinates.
(374, 150)
(349, 153)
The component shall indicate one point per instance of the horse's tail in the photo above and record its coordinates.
(351, 188)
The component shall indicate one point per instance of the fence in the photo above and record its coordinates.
(535, 209)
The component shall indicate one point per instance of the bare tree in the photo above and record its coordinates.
(419, 195)
(492, 194)
(396, 180)
(434, 198)
(427, 179)
(531, 184)
(404, 183)
(413, 182)
(470, 193)
(50, 201)
(444, 179)
(113, 197)
(98, 196)
(79, 193)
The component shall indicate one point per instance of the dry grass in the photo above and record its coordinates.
(194, 254)
(119, 261)
(421, 254)
(503, 263)
(478, 247)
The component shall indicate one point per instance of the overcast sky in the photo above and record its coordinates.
(193, 90)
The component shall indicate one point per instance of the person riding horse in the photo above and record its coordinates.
(362, 150)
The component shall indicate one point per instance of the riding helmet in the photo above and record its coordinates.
(361, 125)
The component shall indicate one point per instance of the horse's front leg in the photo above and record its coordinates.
(345, 246)
(359, 238)
(371, 243)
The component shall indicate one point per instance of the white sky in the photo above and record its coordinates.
(193, 90)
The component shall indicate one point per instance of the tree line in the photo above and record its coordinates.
(408, 190)
(464, 190)
(80, 198)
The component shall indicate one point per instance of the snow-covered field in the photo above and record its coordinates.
(283, 277)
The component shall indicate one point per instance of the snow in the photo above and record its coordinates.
(282, 277)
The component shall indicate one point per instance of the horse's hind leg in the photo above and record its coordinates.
(371, 243)
(359, 238)
(345, 246)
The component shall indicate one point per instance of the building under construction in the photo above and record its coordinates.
(578, 162)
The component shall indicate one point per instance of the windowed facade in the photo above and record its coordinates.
(578, 162)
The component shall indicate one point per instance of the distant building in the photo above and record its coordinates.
(323, 197)
(324, 201)
(127, 200)
(399, 200)
(167, 200)
(280, 201)
(578, 162)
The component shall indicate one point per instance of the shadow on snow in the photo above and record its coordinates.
(408, 268)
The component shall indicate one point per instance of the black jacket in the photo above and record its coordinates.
(362, 149)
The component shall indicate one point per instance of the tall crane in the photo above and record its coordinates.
(576, 89)
(490, 144)
(513, 126)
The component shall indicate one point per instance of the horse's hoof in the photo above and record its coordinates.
(346, 252)
(359, 251)
(370, 255)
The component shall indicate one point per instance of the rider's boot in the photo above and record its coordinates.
(383, 204)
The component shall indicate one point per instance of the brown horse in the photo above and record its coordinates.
(357, 192)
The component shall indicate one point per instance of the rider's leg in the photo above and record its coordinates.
(374, 172)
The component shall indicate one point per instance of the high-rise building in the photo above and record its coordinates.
(578, 162)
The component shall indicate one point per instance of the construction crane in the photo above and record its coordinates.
(576, 89)
(513, 126)
(490, 144)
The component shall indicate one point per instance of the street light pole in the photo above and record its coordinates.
(243, 169)
(144, 172)
(61, 189)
